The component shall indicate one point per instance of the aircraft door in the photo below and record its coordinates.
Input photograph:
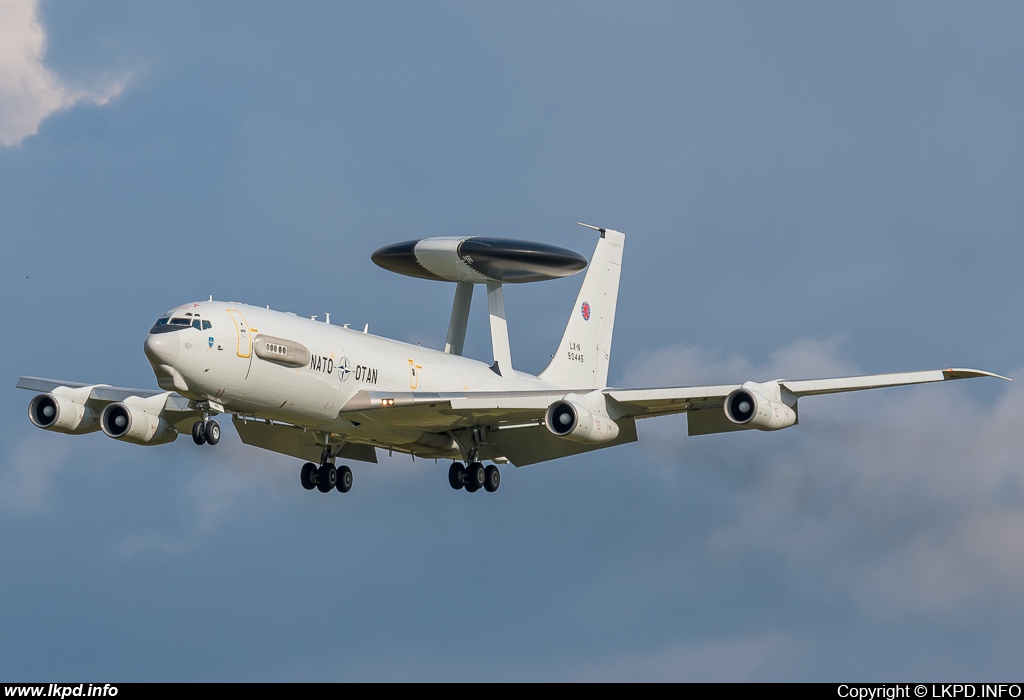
(243, 334)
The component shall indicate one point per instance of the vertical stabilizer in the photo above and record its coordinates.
(581, 360)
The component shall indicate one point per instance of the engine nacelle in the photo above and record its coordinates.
(571, 419)
(750, 408)
(123, 421)
(62, 415)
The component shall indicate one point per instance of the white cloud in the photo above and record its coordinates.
(685, 365)
(29, 91)
(30, 469)
(901, 501)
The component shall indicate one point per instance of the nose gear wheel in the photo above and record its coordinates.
(206, 432)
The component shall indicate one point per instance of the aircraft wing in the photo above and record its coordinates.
(813, 387)
(294, 441)
(102, 394)
(705, 405)
(176, 408)
(442, 412)
(516, 419)
(644, 403)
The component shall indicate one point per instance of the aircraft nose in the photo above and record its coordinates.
(162, 348)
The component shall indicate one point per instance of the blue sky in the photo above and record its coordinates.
(807, 190)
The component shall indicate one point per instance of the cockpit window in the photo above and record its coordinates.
(178, 323)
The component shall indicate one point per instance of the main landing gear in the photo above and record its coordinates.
(474, 477)
(325, 477)
(206, 432)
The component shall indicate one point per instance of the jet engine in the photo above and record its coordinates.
(62, 414)
(123, 421)
(571, 419)
(750, 408)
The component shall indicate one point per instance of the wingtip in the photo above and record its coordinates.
(960, 373)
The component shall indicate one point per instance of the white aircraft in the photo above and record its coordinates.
(324, 393)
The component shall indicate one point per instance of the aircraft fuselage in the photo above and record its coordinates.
(280, 366)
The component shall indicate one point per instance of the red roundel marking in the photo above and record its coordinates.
(585, 310)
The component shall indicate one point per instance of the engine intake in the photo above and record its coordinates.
(123, 421)
(574, 421)
(750, 408)
(62, 415)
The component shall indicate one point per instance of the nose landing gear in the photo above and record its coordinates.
(206, 432)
